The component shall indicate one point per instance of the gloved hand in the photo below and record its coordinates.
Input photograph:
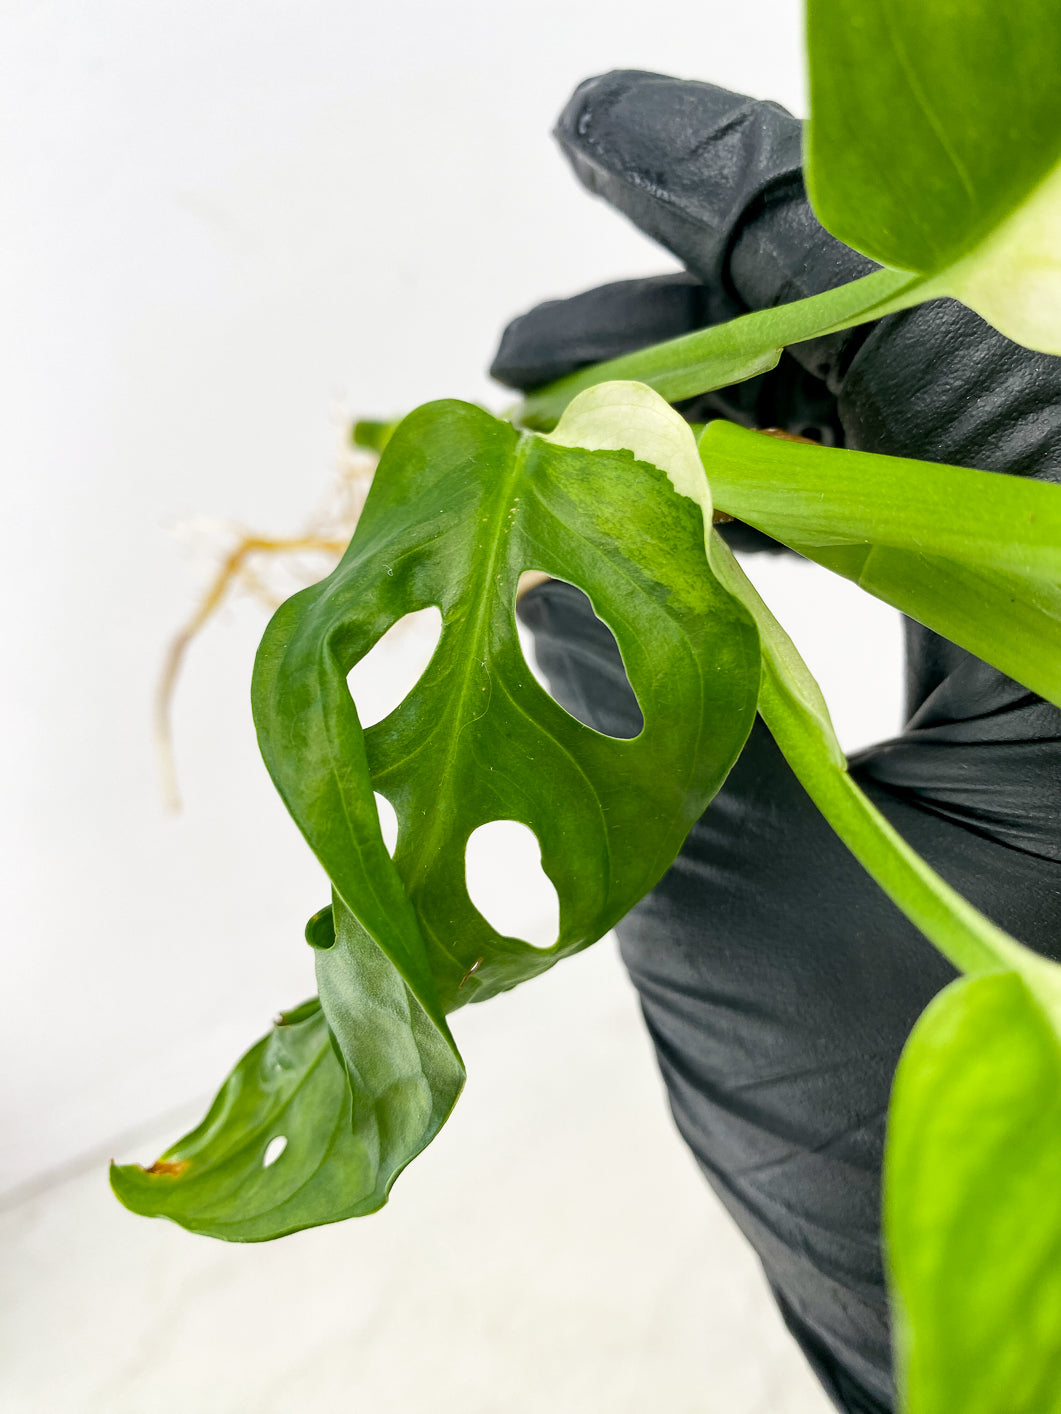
(778, 982)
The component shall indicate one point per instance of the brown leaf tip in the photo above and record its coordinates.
(172, 1168)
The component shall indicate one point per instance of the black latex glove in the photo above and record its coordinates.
(779, 984)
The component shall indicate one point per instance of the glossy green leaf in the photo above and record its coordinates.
(347, 1107)
(974, 555)
(972, 1211)
(404, 1074)
(224, 1179)
(461, 504)
(934, 146)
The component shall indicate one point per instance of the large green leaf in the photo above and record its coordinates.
(974, 555)
(461, 504)
(360, 1082)
(934, 146)
(344, 1137)
(972, 1210)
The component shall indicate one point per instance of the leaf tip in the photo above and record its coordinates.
(141, 1188)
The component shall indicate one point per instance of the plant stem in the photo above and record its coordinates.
(792, 706)
(728, 353)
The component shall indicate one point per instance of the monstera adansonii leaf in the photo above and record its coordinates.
(934, 146)
(461, 505)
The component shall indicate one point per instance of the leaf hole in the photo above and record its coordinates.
(388, 821)
(273, 1150)
(507, 884)
(575, 657)
(381, 680)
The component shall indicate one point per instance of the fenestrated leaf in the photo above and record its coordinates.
(360, 1082)
(974, 555)
(934, 146)
(345, 1129)
(972, 1210)
(461, 504)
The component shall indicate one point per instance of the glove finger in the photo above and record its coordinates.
(715, 177)
(562, 335)
(694, 167)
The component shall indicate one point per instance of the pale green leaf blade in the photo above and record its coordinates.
(404, 1075)
(972, 1213)
(1010, 621)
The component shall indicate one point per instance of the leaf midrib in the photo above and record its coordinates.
(477, 589)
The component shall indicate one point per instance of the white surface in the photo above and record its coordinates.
(226, 228)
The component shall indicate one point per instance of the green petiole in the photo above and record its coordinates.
(729, 353)
(791, 705)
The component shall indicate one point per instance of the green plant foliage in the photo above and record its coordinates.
(371, 435)
(934, 146)
(723, 354)
(790, 699)
(972, 554)
(973, 1223)
(290, 1085)
(353, 1101)
(461, 504)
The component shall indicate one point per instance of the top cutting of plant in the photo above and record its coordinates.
(941, 161)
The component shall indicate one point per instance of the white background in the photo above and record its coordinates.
(226, 228)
